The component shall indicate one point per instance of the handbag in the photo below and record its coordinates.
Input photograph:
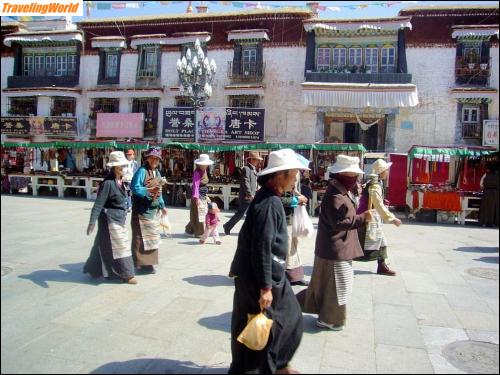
(256, 333)
(302, 225)
(372, 226)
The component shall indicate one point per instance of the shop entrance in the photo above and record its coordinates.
(347, 130)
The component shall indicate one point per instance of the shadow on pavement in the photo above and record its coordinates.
(156, 366)
(493, 260)
(362, 272)
(310, 324)
(209, 280)
(189, 243)
(220, 322)
(73, 274)
(477, 249)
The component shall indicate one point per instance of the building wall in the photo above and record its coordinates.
(7, 64)
(433, 121)
(493, 107)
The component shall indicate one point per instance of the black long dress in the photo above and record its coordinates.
(488, 213)
(260, 262)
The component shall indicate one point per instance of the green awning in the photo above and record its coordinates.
(266, 146)
(451, 151)
(29, 144)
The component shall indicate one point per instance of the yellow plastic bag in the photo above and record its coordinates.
(256, 333)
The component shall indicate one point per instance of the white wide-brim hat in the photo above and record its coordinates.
(346, 163)
(282, 160)
(380, 166)
(117, 158)
(204, 159)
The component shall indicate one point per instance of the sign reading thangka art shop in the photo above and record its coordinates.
(214, 124)
(39, 125)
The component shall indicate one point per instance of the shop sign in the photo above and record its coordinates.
(245, 124)
(39, 125)
(120, 125)
(490, 133)
(178, 123)
(214, 124)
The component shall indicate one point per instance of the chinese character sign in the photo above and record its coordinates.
(490, 133)
(19, 126)
(178, 123)
(245, 124)
(211, 124)
(39, 125)
(58, 126)
(120, 125)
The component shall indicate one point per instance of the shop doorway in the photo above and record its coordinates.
(348, 130)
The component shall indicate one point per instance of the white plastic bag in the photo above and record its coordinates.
(165, 224)
(302, 225)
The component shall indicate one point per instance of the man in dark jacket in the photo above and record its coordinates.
(248, 188)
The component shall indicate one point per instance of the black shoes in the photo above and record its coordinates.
(146, 270)
(300, 282)
(226, 231)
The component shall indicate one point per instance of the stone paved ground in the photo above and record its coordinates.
(54, 319)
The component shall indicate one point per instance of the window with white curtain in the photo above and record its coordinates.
(388, 60)
(339, 56)
(371, 59)
(355, 56)
(323, 59)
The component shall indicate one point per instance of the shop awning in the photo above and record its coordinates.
(72, 144)
(151, 39)
(43, 38)
(450, 150)
(359, 95)
(244, 89)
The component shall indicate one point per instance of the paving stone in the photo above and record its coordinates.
(402, 360)
(478, 320)
(433, 310)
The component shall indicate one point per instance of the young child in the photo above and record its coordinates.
(211, 221)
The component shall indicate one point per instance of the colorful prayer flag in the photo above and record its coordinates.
(103, 6)
(118, 5)
(322, 8)
(238, 4)
(132, 5)
(333, 9)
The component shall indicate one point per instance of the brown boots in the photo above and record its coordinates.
(383, 269)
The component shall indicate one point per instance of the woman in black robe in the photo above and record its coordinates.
(259, 267)
(488, 213)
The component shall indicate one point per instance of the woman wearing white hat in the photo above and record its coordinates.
(375, 245)
(259, 267)
(111, 256)
(199, 198)
(336, 245)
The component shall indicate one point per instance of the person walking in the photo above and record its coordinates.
(248, 188)
(129, 172)
(199, 198)
(212, 219)
(374, 245)
(147, 201)
(259, 270)
(111, 256)
(336, 245)
(488, 212)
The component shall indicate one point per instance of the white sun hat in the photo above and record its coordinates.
(346, 163)
(204, 159)
(117, 158)
(380, 166)
(282, 160)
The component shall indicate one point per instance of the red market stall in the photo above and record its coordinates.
(443, 183)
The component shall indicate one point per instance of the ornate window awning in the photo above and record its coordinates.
(481, 32)
(359, 95)
(109, 42)
(357, 26)
(185, 38)
(244, 89)
(151, 39)
(248, 35)
(44, 38)
(464, 93)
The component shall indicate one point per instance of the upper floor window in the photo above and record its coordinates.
(111, 65)
(183, 101)
(371, 59)
(243, 101)
(249, 59)
(63, 106)
(472, 54)
(355, 56)
(472, 117)
(49, 64)
(323, 59)
(148, 62)
(339, 56)
(23, 106)
(470, 114)
(388, 60)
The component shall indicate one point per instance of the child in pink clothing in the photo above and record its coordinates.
(211, 221)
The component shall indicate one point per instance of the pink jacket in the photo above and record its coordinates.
(212, 219)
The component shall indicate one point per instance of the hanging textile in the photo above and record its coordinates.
(363, 125)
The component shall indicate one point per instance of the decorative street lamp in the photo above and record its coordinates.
(196, 74)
